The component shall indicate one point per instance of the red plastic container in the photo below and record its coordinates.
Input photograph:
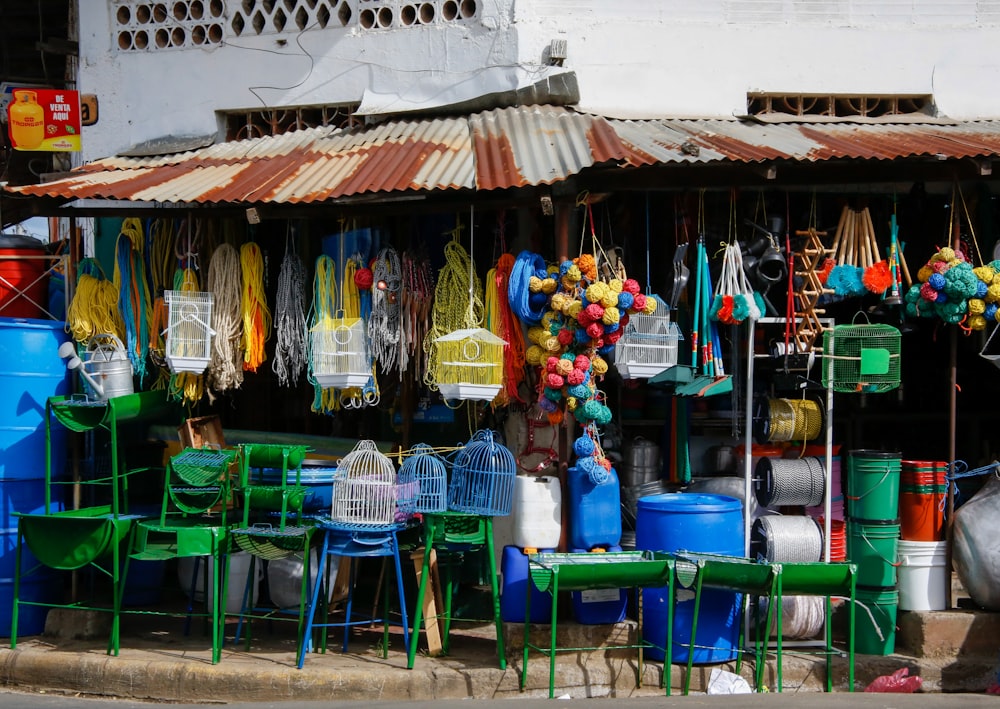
(24, 281)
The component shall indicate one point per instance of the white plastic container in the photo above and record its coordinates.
(922, 576)
(239, 571)
(537, 512)
(284, 577)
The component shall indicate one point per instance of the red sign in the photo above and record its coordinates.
(44, 119)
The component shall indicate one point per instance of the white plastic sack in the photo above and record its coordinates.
(724, 682)
(975, 552)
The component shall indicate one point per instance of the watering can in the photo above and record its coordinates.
(107, 370)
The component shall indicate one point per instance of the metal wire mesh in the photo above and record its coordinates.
(861, 358)
(470, 364)
(364, 489)
(482, 479)
(648, 344)
(339, 353)
(268, 542)
(430, 475)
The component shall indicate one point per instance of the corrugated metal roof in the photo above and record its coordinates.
(496, 149)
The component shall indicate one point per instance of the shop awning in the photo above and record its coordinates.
(495, 149)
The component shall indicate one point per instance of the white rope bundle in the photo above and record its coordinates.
(802, 617)
(791, 539)
(290, 319)
(225, 370)
(385, 328)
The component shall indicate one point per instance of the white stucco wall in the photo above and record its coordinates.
(632, 58)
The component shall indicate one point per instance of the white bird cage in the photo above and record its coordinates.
(340, 355)
(648, 345)
(482, 479)
(189, 331)
(364, 489)
(430, 475)
(470, 364)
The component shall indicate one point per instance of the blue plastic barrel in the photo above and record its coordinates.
(514, 570)
(600, 606)
(318, 480)
(31, 371)
(692, 522)
(595, 512)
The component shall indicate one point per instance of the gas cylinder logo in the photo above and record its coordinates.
(44, 119)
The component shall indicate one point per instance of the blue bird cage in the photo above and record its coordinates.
(482, 478)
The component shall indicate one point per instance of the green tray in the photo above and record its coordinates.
(72, 539)
(817, 578)
(593, 570)
(269, 497)
(178, 537)
(81, 415)
(272, 455)
(735, 573)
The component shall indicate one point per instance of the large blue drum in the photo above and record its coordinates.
(701, 523)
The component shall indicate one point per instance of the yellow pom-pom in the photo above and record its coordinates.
(537, 334)
(574, 308)
(976, 306)
(571, 403)
(954, 262)
(535, 284)
(548, 317)
(985, 273)
(573, 274)
(534, 355)
(552, 269)
(564, 366)
(610, 300)
(615, 284)
(945, 254)
(993, 293)
(924, 273)
(596, 291)
(551, 344)
(559, 301)
(598, 364)
(611, 316)
(549, 286)
(650, 306)
(976, 322)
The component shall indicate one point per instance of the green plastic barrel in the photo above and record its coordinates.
(875, 620)
(874, 548)
(873, 484)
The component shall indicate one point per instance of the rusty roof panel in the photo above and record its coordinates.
(496, 149)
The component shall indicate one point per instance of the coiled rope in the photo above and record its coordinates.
(290, 319)
(384, 328)
(418, 289)
(225, 369)
(791, 539)
(94, 307)
(134, 303)
(449, 312)
(256, 316)
(528, 307)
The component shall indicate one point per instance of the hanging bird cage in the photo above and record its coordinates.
(189, 333)
(364, 489)
(339, 353)
(470, 364)
(429, 475)
(861, 359)
(482, 479)
(648, 345)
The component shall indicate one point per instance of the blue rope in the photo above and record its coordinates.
(960, 469)
(526, 265)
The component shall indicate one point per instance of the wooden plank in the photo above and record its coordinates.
(433, 624)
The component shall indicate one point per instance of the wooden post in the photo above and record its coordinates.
(432, 601)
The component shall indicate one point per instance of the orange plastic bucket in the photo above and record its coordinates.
(921, 516)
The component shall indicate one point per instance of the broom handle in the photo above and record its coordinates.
(838, 237)
(864, 258)
(876, 256)
(849, 258)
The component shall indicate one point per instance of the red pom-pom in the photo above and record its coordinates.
(877, 277)
(631, 286)
(554, 381)
(363, 278)
(584, 318)
(595, 330)
(582, 362)
(613, 337)
(623, 321)
(550, 364)
(575, 377)
(725, 314)
(824, 273)
(639, 302)
(595, 311)
(564, 336)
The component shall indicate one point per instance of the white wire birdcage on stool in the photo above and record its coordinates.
(189, 333)
(431, 477)
(339, 354)
(482, 478)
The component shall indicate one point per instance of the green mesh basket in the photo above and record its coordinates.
(861, 359)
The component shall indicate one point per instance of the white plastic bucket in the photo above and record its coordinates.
(284, 578)
(922, 576)
(239, 570)
(537, 512)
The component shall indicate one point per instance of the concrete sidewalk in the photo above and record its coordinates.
(954, 651)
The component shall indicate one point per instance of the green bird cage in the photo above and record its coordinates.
(862, 358)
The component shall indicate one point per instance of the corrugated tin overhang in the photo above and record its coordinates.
(495, 149)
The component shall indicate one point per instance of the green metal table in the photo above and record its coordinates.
(584, 571)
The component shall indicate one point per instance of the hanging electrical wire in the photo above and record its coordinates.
(225, 370)
(384, 328)
(256, 316)
(290, 316)
(134, 302)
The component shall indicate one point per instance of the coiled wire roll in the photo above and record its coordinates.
(793, 420)
(789, 481)
(777, 538)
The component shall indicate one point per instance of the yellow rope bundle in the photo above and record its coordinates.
(494, 323)
(162, 264)
(324, 307)
(256, 316)
(94, 308)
